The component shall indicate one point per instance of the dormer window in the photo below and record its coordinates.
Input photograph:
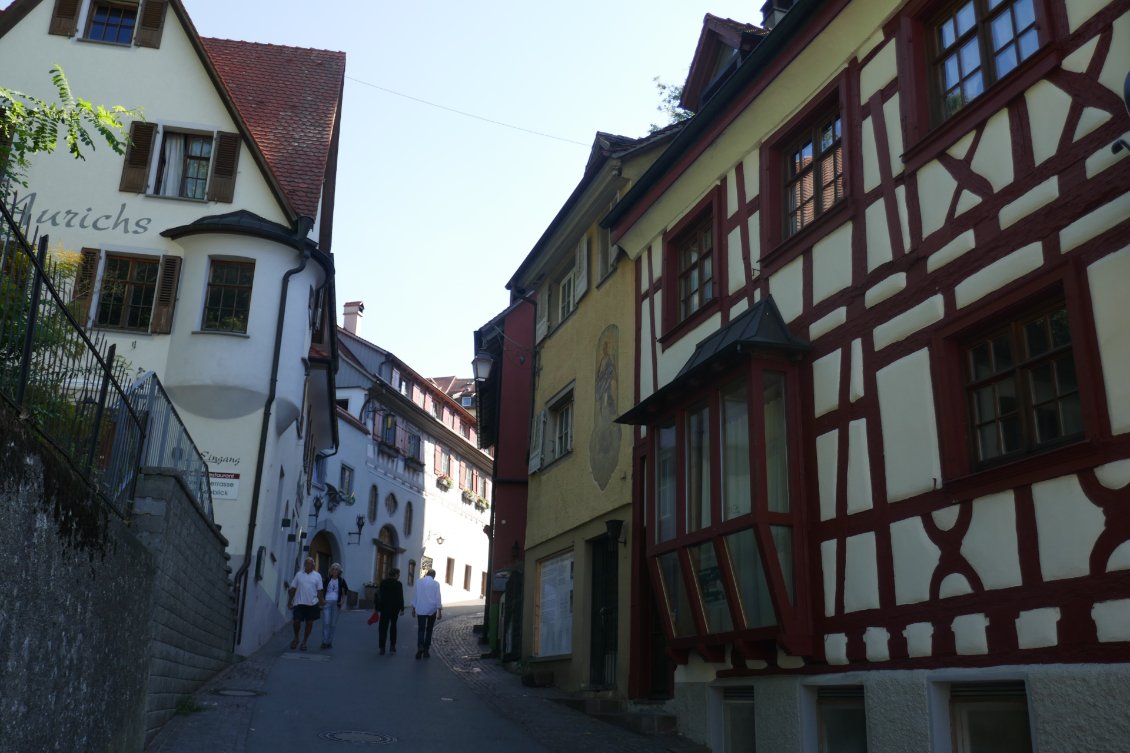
(111, 22)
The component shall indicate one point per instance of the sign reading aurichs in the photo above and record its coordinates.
(224, 485)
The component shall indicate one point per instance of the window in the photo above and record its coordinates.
(738, 719)
(665, 483)
(125, 300)
(565, 302)
(111, 22)
(695, 252)
(449, 575)
(346, 485)
(405, 387)
(466, 577)
(842, 719)
(320, 470)
(561, 426)
(182, 167)
(698, 467)
(415, 448)
(407, 518)
(989, 716)
(553, 612)
(227, 302)
(814, 173)
(437, 410)
(199, 165)
(974, 44)
(1021, 386)
(691, 281)
(134, 292)
(373, 496)
(411, 568)
(388, 429)
(606, 253)
(467, 401)
(391, 504)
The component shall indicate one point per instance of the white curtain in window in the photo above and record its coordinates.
(174, 165)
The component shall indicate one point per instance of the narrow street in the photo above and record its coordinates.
(284, 701)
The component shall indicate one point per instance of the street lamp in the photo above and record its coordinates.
(355, 536)
(481, 365)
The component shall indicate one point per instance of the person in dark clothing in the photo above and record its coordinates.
(391, 600)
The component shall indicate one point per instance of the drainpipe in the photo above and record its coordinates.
(302, 228)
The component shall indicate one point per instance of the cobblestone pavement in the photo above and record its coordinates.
(228, 701)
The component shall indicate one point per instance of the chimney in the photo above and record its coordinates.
(352, 317)
(773, 11)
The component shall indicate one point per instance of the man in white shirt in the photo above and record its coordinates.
(306, 596)
(427, 607)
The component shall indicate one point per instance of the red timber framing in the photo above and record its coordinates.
(960, 485)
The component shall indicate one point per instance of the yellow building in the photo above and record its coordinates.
(579, 524)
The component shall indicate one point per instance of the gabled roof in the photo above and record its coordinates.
(289, 97)
(285, 101)
(606, 147)
(759, 328)
(722, 45)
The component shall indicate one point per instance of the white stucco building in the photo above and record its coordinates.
(409, 487)
(205, 249)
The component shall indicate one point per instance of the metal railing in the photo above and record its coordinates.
(67, 384)
(168, 444)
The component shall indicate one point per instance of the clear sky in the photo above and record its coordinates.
(435, 209)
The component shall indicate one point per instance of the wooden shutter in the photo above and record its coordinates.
(84, 285)
(537, 432)
(438, 460)
(462, 475)
(135, 170)
(542, 327)
(150, 21)
(581, 270)
(166, 297)
(64, 19)
(225, 163)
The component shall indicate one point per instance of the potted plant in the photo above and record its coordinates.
(468, 496)
(443, 481)
(481, 503)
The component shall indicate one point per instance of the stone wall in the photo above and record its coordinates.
(98, 646)
(192, 618)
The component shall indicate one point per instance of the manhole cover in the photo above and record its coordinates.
(358, 738)
(237, 692)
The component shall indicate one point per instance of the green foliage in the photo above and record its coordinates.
(669, 96)
(30, 125)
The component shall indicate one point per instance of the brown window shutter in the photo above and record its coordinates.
(438, 460)
(224, 167)
(64, 19)
(166, 296)
(84, 284)
(150, 21)
(462, 475)
(135, 170)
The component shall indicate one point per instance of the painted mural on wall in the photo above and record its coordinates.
(604, 445)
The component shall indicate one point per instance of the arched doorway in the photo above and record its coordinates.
(388, 550)
(322, 550)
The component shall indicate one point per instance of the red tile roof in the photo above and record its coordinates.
(290, 99)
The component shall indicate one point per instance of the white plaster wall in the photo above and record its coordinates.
(1108, 278)
(870, 159)
(827, 323)
(952, 250)
(908, 322)
(993, 159)
(1094, 223)
(831, 263)
(861, 581)
(1067, 526)
(990, 546)
(786, 285)
(1029, 203)
(910, 436)
(1052, 104)
(935, 187)
(826, 383)
(859, 495)
(884, 289)
(879, 71)
(855, 387)
(878, 235)
(828, 550)
(915, 558)
(827, 462)
(998, 274)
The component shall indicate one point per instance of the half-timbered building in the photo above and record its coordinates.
(882, 466)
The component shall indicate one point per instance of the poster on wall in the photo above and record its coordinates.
(555, 605)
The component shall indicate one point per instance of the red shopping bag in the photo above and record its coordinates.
(374, 618)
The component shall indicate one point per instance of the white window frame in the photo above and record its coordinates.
(561, 416)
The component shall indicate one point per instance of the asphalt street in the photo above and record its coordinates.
(322, 701)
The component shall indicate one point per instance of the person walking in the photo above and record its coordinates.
(391, 602)
(336, 591)
(305, 597)
(427, 607)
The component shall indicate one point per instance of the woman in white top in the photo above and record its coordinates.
(336, 591)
